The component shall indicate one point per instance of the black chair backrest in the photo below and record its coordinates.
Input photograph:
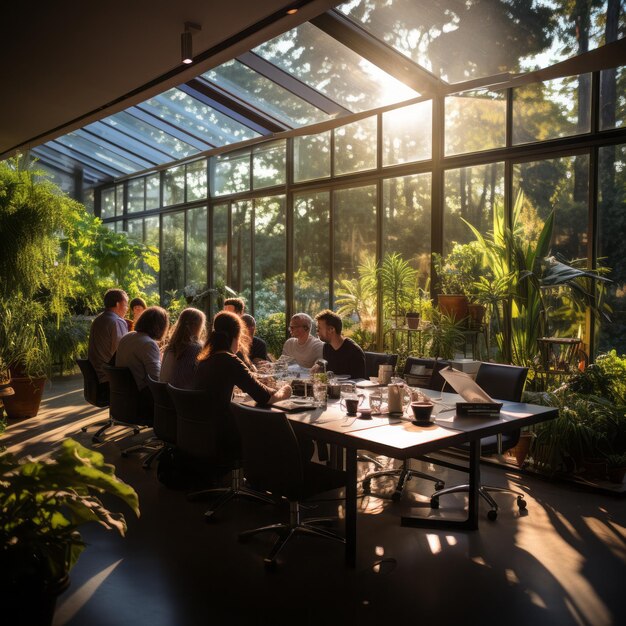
(374, 359)
(164, 411)
(95, 393)
(271, 453)
(197, 429)
(123, 395)
(502, 382)
(436, 380)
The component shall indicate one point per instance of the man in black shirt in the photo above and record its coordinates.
(258, 348)
(343, 355)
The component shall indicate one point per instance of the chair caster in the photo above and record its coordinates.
(492, 515)
(208, 517)
(84, 429)
(367, 485)
(521, 503)
(439, 486)
(136, 431)
(434, 503)
(270, 564)
(396, 495)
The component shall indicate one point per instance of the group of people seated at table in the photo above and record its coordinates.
(187, 358)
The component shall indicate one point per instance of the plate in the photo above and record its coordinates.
(342, 376)
(300, 400)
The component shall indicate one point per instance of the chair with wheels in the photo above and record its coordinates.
(429, 378)
(502, 382)
(164, 425)
(425, 373)
(374, 359)
(273, 460)
(204, 441)
(94, 392)
(125, 408)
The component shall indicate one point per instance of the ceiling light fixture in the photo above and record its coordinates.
(186, 44)
(292, 11)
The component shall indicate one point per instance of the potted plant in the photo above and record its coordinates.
(43, 504)
(616, 466)
(457, 274)
(443, 335)
(24, 349)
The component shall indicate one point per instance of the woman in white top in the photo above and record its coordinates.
(139, 352)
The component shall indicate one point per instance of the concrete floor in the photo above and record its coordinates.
(562, 563)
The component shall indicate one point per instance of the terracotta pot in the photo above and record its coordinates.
(413, 320)
(454, 306)
(616, 474)
(27, 398)
(521, 448)
(595, 468)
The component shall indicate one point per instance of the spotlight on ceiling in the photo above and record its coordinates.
(292, 11)
(186, 44)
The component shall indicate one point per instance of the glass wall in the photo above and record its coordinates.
(312, 245)
(471, 194)
(397, 198)
(611, 232)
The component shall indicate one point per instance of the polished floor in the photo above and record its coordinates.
(564, 562)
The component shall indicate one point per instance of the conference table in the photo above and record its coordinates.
(399, 438)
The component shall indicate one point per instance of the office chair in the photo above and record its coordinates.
(207, 440)
(273, 460)
(432, 380)
(126, 409)
(374, 359)
(165, 418)
(502, 382)
(94, 392)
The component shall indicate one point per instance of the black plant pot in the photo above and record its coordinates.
(32, 603)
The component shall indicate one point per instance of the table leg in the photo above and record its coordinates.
(471, 522)
(351, 507)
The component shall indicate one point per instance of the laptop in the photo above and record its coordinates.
(466, 386)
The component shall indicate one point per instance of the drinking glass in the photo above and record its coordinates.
(376, 402)
(320, 393)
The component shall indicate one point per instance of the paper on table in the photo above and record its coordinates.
(465, 385)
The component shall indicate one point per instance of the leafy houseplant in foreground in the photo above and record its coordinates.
(42, 506)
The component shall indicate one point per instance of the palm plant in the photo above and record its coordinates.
(399, 284)
(523, 274)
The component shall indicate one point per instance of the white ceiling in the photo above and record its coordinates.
(69, 62)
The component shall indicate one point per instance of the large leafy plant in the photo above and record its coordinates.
(44, 503)
(522, 276)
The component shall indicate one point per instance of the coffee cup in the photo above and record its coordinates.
(350, 405)
(365, 413)
(422, 412)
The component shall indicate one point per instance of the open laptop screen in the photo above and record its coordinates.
(465, 385)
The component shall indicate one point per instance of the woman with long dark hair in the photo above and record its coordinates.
(219, 369)
(180, 358)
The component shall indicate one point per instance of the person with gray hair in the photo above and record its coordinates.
(303, 347)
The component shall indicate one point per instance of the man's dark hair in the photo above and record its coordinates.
(137, 302)
(154, 321)
(248, 320)
(330, 319)
(238, 303)
(113, 296)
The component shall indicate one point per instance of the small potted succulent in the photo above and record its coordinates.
(43, 503)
